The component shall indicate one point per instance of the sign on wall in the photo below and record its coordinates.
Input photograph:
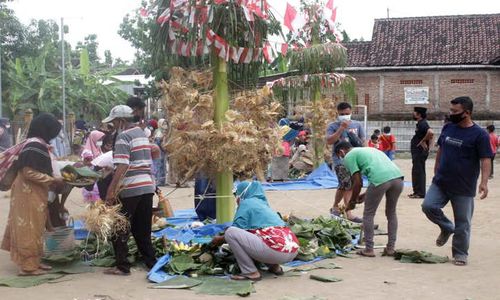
(417, 95)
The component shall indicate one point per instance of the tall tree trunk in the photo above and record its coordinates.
(224, 180)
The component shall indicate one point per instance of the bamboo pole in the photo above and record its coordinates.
(316, 135)
(225, 203)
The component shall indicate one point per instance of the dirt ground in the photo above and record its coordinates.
(370, 278)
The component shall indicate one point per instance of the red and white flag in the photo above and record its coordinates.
(284, 49)
(330, 14)
(293, 21)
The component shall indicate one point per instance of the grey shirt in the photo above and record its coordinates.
(354, 127)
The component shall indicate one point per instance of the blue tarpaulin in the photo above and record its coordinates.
(321, 178)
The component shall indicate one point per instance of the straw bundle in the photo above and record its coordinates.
(104, 221)
(245, 144)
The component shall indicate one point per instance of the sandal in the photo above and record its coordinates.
(334, 212)
(277, 270)
(245, 277)
(45, 267)
(388, 252)
(363, 252)
(116, 271)
(415, 196)
(443, 238)
(32, 273)
(356, 220)
(460, 261)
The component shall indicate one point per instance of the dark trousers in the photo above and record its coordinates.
(418, 159)
(492, 164)
(139, 211)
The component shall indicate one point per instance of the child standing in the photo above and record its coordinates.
(388, 142)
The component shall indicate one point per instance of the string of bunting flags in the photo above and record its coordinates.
(326, 80)
(201, 14)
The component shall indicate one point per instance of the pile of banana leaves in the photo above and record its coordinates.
(319, 237)
(323, 236)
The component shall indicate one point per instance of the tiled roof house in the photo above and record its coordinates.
(428, 61)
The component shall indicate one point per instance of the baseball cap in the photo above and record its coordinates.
(119, 111)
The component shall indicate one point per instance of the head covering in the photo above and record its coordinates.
(420, 110)
(254, 211)
(35, 155)
(153, 123)
(91, 143)
(159, 131)
(44, 126)
(87, 154)
(119, 111)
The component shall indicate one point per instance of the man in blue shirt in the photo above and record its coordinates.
(344, 130)
(464, 149)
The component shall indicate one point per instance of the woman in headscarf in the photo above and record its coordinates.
(28, 206)
(94, 142)
(159, 163)
(258, 233)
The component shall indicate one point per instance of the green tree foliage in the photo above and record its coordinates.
(31, 71)
(108, 59)
(90, 43)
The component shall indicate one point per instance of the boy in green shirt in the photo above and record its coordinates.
(384, 178)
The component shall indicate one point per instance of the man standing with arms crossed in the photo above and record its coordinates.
(344, 129)
(420, 144)
(464, 149)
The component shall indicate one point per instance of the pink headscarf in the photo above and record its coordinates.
(91, 143)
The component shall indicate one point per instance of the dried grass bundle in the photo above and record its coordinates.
(245, 144)
(104, 221)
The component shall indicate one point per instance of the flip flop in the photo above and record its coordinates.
(442, 239)
(245, 277)
(388, 252)
(276, 271)
(116, 271)
(45, 267)
(415, 196)
(364, 253)
(32, 273)
(356, 220)
(461, 262)
(334, 212)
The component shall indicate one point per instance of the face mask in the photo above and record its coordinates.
(344, 118)
(387, 134)
(457, 118)
(99, 144)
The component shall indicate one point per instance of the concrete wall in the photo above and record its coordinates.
(383, 92)
(404, 130)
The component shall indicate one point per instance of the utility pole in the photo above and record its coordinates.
(388, 13)
(1, 103)
(63, 77)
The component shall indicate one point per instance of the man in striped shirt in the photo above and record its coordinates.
(133, 186)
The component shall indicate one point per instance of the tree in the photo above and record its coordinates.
(108, 59)
(91, 44)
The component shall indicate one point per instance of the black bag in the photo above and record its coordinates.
(354, 139)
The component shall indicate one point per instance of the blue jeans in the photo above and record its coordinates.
(463, 208)
(390, 154)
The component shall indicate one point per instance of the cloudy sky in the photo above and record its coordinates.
(103, 17)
